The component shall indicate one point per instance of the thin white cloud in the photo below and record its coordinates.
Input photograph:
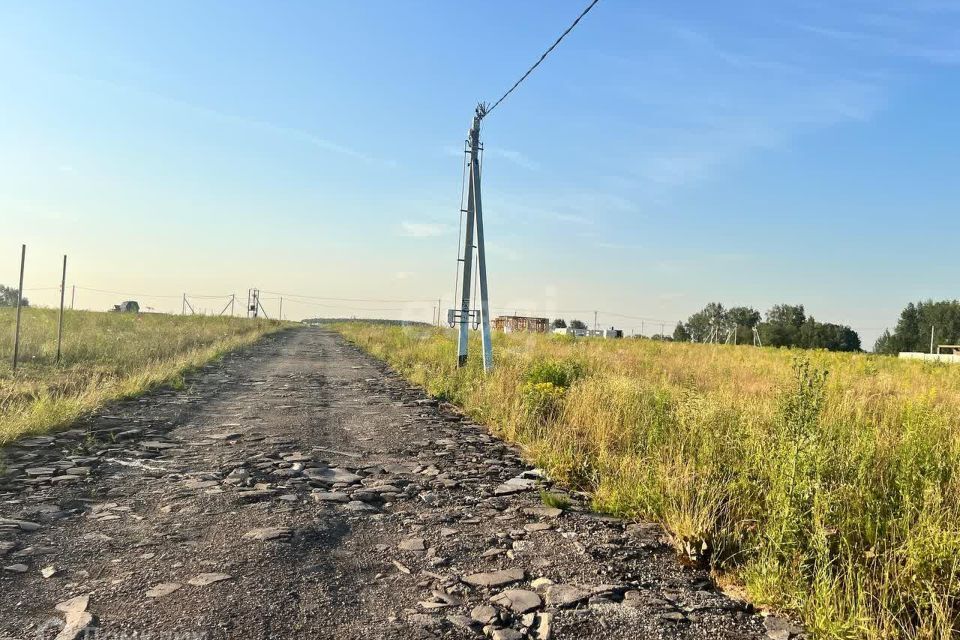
(573, 218)
(514, 157)
(292, 133)
(739, 99)
(507, 253)
(423, 229)
(622, 246)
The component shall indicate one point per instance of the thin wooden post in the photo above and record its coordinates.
(63, 292)
(16, 334)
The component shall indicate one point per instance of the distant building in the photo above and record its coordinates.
(570, 331)
(590, 333)
(934, 357)
(513, 324)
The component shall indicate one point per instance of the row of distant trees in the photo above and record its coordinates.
(560, 323)
(8, 297)
(785, 325)
(920, 324)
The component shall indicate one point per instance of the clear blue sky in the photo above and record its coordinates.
(664, 156)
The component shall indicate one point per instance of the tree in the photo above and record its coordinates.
(787, 314)
(8, 297)
(577, 324)
(835, 337)
(700, 326)
(744, 316)
(916, 324)
(783, 326)
(743, 320)
(884, 343)
(559, 323)
(786, 326)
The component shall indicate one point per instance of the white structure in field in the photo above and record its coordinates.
(590, 333)
(952, 358)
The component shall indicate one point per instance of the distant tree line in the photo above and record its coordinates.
(786, 325)
(560, 323)
(8, 297)
(918, 323)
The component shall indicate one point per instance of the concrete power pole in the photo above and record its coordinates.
(474, 220)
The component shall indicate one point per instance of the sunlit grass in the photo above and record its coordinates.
(828, 485)
(106, 356)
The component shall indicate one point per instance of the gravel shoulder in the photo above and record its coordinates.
(298, 489)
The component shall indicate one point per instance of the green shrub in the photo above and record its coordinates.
(559, 373)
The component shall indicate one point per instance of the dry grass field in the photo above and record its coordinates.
(106, 356)
(826, 485)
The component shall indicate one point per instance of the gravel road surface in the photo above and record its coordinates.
(299, 489)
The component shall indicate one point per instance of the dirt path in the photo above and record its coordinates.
(299, 489)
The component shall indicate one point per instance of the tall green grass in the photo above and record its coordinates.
(106, 356)
(824, 484)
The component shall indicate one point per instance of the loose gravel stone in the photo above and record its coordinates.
(206, 579)
(517, 600)
(265, 534)
(484, 614)
(565, 595)
(412, 544)
(330, 496)
(163, 589)
(495, 578)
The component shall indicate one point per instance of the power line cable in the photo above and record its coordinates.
(542, 58)
(297, 295)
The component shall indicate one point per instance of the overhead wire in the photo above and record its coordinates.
(536, 64)
(297, 295)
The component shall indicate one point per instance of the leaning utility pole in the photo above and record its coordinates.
(16, 332)
(474, 221)
(63, 291)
